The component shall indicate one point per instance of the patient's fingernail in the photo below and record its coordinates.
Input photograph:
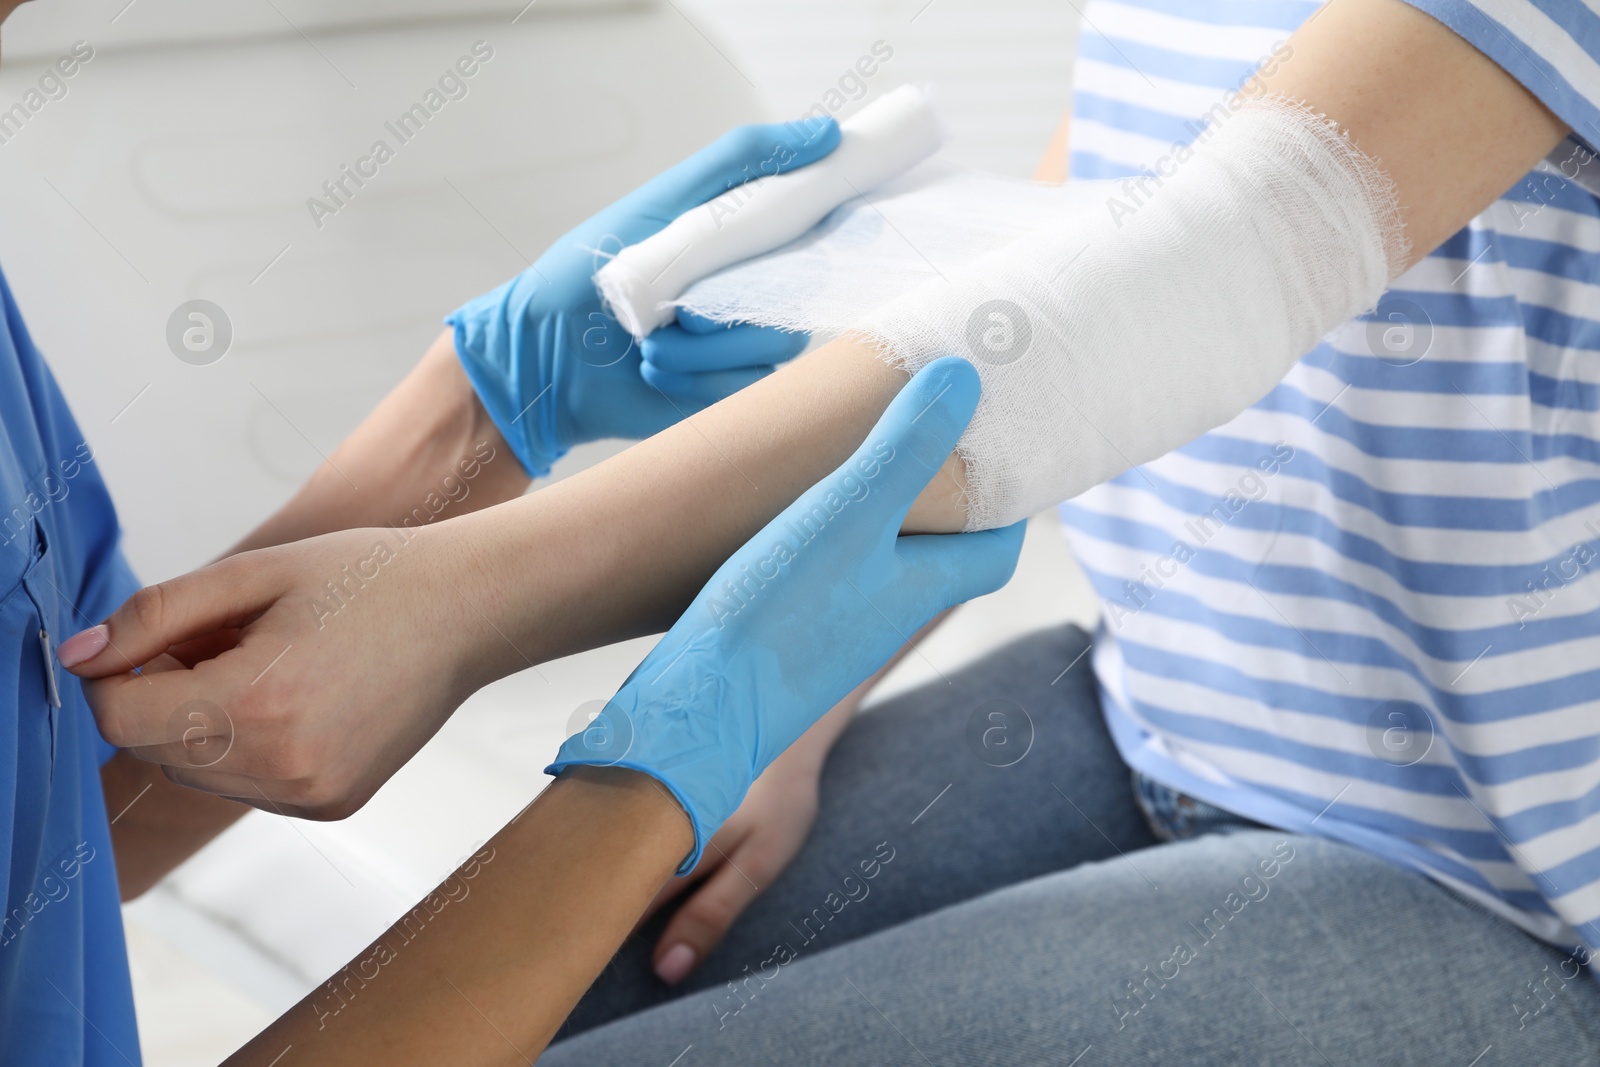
(83, 646)
(676, 964)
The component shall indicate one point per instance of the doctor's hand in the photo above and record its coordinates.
(801, 615)
(554, 369)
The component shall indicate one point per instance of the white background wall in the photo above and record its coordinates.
(177, 167)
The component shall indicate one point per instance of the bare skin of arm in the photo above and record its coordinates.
(493, 977)
(402, 458)
(1451, 128)
(710, 482)
(1053, 167)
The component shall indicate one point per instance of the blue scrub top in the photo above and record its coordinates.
(65, 996)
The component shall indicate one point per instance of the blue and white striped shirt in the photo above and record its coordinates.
(1368, 606)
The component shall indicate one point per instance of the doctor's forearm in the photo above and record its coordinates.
(427, 452)
(156, 824)
(517, 935)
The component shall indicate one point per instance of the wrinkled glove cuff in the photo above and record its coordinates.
(487, 335)
(699, 753)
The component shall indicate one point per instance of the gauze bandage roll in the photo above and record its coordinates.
(880, 142)
(1129, 319)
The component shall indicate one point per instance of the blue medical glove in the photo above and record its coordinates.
(554, 369)
(801, 615)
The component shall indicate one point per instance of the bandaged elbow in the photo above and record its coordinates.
(1113, 338)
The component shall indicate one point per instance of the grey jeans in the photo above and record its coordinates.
(963, 903)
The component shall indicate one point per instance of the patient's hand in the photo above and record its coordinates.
(309, 672)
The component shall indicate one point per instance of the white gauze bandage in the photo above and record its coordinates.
(1114, 339)
(1110, 322)
(880, 142)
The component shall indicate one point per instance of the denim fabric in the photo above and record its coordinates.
(951, 911)
(1175, 816)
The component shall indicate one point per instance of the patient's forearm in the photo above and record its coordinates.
(637, 535)
(616, 551)
(485, 969)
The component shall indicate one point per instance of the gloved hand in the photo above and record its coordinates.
(554, 369)
(801, 615)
